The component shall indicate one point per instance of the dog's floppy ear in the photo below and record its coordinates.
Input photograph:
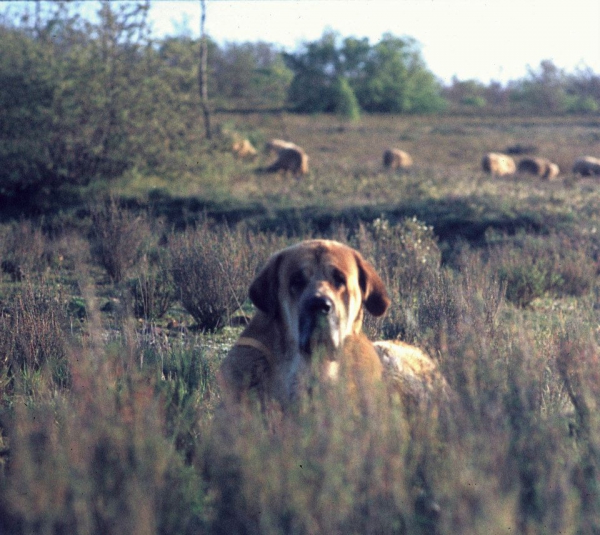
(375, 295)
(264, 288)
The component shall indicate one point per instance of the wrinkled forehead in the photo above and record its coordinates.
(320, 257)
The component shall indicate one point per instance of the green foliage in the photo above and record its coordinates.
(251, 75)
(387, 77)
(396, 80)
(346, 104)
(27, 88)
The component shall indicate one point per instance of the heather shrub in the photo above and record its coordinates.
(212, 269)
(536, 266)
(186, 383)
(153, 290)
(97, 462)
(279, 474)
(22, 250)
(119, 239)
(32, 334)
(408, 258)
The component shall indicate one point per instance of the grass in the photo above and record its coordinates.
(109, 406)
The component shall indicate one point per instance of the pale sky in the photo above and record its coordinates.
(480, 39)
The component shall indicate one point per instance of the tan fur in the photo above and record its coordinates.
(290, 159)
(298, 341)
(587, 166)
(541, 167)
(397, 159)
(412, 374)
(498, 164)
(274, 361)
(243, 149)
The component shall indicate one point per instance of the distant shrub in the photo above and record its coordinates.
(558, 265)
(153, 294)
(118, 239)
(345, 101)
(22, 248)
(474, 101)
(32, 334)
(212, 272)
(153, 290)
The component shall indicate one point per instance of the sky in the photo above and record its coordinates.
(470, 39)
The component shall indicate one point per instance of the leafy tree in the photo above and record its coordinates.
(82, 99)
(542, 90)
(387, 77)
(27, 88)
(467, 93)
(346, 103)
(315, 70)
(250, 74)
(396, 79)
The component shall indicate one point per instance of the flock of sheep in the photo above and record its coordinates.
(500, 164)
(291, 158)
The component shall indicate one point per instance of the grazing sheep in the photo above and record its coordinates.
(541, 167)
(587, 166)
(553, 171)
(243, 149)
(498, 164)
(292, 159)
(276, 145)
(396, 159)
(521, 149)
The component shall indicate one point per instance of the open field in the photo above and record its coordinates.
(114, 317)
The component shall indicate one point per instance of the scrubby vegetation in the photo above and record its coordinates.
(122, 290)
(109, 414)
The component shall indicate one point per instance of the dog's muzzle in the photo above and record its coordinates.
(317, 325)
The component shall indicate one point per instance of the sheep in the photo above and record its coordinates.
(587, 166)
(541, 167)
(276, 145)
(397, 159)
(498, 164)
(292, 159)
(242, 148)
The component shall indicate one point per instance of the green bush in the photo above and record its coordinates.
(345, 102)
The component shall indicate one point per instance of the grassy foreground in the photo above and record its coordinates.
(112, 328)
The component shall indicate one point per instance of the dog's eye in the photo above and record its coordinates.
(297, 282)
(339, 279)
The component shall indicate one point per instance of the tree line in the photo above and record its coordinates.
(84, 99)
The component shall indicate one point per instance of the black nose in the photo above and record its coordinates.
(314, 311)
(319, 305)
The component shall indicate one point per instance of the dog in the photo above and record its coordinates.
(310, 299)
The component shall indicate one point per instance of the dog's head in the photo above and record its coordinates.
(318, 291)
